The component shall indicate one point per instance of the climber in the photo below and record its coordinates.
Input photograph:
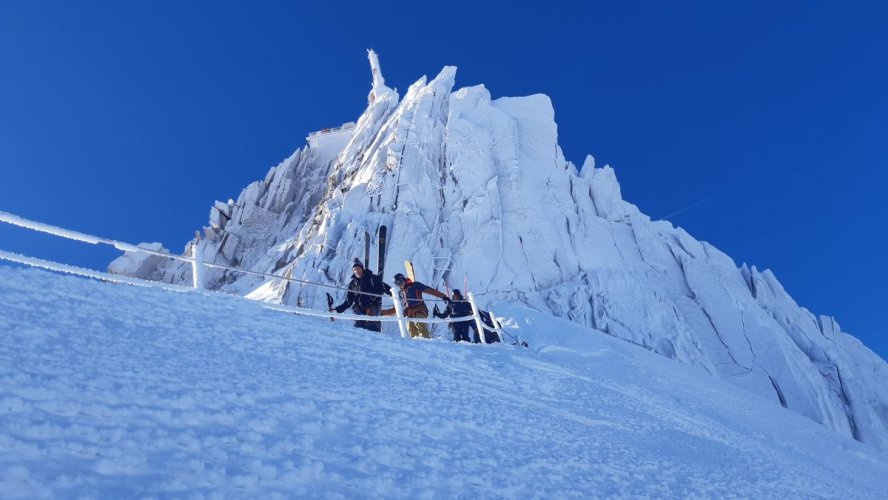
(490, 334)
(414, 306)
(364, 296)
(460, 308)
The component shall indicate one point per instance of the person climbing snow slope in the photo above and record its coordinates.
(414, 305)
(461, 308)
(364, 296)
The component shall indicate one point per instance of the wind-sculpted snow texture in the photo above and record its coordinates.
(475, 187)
(116, 391)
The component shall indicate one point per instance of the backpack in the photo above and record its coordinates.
(492, 337)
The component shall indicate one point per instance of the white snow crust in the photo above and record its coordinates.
(111, 390)
(475, 191)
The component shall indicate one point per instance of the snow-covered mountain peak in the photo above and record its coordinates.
(476, 192)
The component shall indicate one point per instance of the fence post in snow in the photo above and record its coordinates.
(197, 268)
(477, 316)
(400, 314)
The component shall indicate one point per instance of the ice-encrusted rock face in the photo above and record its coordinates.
(477, 190)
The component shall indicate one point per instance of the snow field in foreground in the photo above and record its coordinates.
(121, 391)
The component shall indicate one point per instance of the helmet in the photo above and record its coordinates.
(456, 293)
(400, 279)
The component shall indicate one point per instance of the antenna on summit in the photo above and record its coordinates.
(378, 80)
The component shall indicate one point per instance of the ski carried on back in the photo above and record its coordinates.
(380, 256)
(408, 266)
(367, 249)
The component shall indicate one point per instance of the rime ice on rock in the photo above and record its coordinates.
(378, 80)
(142, 265)
(478, 188)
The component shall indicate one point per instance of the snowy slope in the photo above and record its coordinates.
(476, 190)
(112, 390)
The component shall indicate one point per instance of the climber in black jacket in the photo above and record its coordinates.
(367, 303)
(460, 308)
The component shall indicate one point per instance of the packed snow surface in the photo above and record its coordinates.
(120, 391)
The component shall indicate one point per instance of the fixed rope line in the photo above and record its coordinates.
(16, 220)
(117, 278)
(89, 273)
(128, 247)
(295, 280)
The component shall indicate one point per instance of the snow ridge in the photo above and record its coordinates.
(477, 190)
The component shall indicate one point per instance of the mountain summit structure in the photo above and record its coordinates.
(476, 190)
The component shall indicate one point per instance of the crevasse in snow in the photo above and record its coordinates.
(477, 189)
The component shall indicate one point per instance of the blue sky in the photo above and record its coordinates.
(761, 127)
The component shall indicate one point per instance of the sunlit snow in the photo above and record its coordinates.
(119, 391)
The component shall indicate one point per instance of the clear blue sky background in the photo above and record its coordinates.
(761, 127)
